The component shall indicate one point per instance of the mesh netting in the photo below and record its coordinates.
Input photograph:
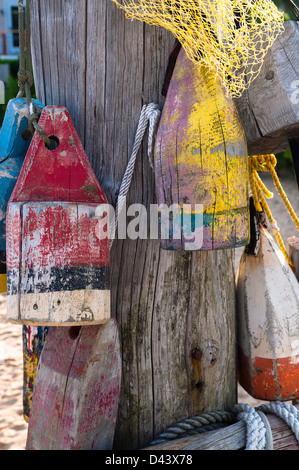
(230, 36)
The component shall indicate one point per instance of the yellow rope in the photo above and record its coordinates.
(259, 192)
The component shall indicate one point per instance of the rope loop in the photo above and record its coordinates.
(258, 431)
(288, 413)
(150, 115)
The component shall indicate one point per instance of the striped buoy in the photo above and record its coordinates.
(201, 164)
(57, 253)
(268, 323)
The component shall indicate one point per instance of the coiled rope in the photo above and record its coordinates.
(258, 430)
(198, 424)
(260, 192)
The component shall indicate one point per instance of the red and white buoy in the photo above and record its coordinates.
(57, 259)
(268, 323)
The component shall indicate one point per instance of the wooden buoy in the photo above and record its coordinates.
(57, 255)
(268, 323)
(76, 392)
(15, 138)
(201, 160)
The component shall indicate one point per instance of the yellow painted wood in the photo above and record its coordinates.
(201, 155)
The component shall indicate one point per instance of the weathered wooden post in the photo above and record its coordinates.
(176, 311)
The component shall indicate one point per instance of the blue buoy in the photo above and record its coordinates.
(15, 138)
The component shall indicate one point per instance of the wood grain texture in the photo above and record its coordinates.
(88, 57)
(76, 391)
(269, 109)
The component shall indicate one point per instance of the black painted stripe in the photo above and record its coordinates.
(58, 280)
(2, 262)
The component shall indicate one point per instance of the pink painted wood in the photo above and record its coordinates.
(75, 400)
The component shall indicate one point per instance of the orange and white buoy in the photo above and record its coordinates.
(268, 323)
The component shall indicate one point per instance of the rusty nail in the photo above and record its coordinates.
(196, 354)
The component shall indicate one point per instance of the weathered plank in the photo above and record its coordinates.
(76, 392)
(269, 109)
(103, 68)
(233, 438)
(57, 260)
(201, 160)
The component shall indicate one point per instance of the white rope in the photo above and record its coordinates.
(258, 431)
(150, 114)
(288, 413)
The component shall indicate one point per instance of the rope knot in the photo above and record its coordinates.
(259, 435)
(151, 110)
(25, 77)
(262, 162)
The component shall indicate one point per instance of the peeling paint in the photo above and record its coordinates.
(268, 324)
(201, 156)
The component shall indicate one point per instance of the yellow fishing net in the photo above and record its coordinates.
(231, 37)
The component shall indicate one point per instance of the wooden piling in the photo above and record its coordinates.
(102, 67)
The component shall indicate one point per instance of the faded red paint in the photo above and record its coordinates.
(63, 174)
(60, 232)
(269, 379)
(14, 239)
